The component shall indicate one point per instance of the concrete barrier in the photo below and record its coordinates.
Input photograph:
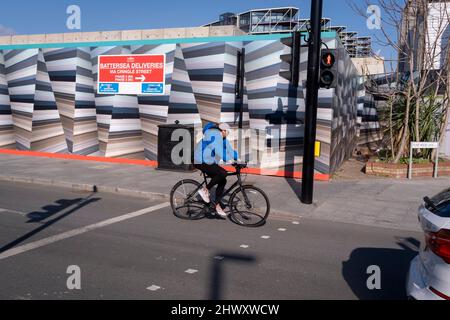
(131, 35)
(53, 38)
(153, 34)
(5, 40)
(125, 35)
(175, 33)
(111, 35)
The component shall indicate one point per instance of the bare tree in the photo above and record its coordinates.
(416, 30)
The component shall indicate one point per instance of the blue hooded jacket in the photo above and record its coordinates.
(213, 147)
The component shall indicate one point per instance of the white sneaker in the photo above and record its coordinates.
(204, 193)
(220, 211)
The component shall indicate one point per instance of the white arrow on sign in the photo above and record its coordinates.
(142, 78)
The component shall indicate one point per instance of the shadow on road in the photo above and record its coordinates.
(393, 263)
(52, 209)
(48, 211)
(218, 278)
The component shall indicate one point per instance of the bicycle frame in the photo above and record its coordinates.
(228, 191)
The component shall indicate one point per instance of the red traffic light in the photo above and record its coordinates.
(328, 59)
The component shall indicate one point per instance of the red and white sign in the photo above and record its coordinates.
(131, 74)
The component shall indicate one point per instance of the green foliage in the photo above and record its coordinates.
(431, 115)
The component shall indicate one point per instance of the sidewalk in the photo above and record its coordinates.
(375, 202)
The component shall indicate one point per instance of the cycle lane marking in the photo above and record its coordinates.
(75, 232)
(2, 210)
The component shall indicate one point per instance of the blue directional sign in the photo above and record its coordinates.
(109, 88)
(153, 88)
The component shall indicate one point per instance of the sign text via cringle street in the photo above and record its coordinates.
(131, 74)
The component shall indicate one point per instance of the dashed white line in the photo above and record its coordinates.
(191, 271)
(244, 246)
(282, 229)
(265, 237)
(154, 288)
(295, 222)
(76, 232)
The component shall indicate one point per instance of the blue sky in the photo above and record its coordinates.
(49, 16)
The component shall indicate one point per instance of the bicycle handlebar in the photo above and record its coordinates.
(239, 165)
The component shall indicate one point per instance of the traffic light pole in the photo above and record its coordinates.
(240, 95)
(312, 90)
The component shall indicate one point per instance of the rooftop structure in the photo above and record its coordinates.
(286, 20)
(257, 21)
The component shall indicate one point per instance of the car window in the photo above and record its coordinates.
(441, 203)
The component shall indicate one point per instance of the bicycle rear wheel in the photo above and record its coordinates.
(186, 202)
(249, 206)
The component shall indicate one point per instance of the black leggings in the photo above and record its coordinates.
(218, 177)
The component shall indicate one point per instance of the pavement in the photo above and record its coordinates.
(376, 202)
(120, 247)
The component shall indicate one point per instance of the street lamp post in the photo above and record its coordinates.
(312, 89)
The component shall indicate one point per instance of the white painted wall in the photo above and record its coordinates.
(439, 31)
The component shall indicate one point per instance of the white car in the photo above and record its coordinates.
(429, 273)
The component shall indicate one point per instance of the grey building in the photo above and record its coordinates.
(424, 30)
(261, 21)
(286, 20)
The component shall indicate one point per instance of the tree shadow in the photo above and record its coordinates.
(218, 278)
(49, 211)
(394, 266)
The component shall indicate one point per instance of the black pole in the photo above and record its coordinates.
(312, 89)
(241, 72)
(240, 93)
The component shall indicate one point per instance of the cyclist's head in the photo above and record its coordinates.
(225, 129)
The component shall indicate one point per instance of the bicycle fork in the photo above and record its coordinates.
(247, 201)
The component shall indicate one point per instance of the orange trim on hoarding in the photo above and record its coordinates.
(79, 157)
(149, 163)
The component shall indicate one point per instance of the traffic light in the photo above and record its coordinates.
(293, 58)
(328, 69)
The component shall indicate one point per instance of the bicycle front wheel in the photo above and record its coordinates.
(249, 206)
(185, 200)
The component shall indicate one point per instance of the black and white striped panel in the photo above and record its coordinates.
(21, 70)
(7, 138)
(182, 103)
(153, 110)
(47, 130)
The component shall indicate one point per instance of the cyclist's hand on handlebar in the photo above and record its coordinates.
(240, 163)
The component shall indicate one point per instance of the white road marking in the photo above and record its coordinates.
(265, 237)
(100, 167)
(282, 229)
(191, 271)
(295, 222)
(153, 288)
(244, 246)
(12, 211)
(76, 232)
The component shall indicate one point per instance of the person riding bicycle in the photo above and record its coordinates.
(213, 148)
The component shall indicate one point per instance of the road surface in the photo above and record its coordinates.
(127, 248)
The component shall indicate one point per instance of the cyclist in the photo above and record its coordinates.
(213, 148)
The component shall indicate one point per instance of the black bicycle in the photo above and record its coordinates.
(248, 205)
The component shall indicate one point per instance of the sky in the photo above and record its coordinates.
(49, 16)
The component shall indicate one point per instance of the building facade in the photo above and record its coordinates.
(50, 101)
(425, 30)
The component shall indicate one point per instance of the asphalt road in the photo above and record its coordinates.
(124, 252)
